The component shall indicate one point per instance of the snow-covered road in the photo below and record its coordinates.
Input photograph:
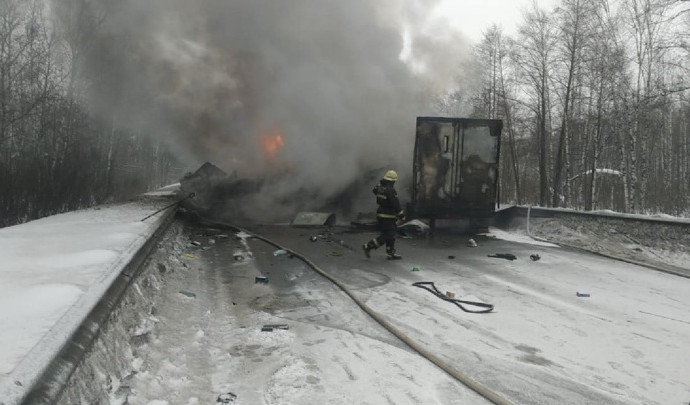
(189, 330)
(206, 340)
(625, 343)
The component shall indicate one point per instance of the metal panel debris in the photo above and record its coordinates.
(314, 219)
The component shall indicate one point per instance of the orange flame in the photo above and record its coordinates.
(272, 143)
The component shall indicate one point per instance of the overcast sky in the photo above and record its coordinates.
(473, 16)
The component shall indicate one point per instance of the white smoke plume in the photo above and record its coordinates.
(341, 81)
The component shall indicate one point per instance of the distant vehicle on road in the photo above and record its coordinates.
(455, 173)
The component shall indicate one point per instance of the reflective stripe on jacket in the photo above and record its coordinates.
(387, 200)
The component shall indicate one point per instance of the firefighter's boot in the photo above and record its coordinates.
(367, 251)
(368, 247)
(391, 254)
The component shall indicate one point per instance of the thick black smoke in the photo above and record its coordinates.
(342, 80)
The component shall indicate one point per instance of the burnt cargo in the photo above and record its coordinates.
(455, 173)
(215, 193)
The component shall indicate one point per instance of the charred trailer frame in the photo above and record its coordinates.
(455, 172)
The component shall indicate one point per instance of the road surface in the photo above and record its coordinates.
(542, 344)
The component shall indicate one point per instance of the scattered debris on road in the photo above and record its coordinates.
(310, 219)
(462, 304)
(507, 256)
(450, 294)
(226, 398)
(451, 257)
(188, 294)
(280, 252)
(579, 294)
(415, 268)
(534, 257)
(472, 243)
(413, 229)
(195, 243)
(260, 280)
(271, 328)
(189, 256)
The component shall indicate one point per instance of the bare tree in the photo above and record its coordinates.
(572, 16)
(494, 102)
(56, 153)
(622, 98)
(606, 71)
(535, 56)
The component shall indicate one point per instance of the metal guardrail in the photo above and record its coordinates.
(539, 212)
(49, 386)
(679, 226)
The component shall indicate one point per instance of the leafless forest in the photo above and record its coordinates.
(596, 105)
(56, 153)
(595, 99)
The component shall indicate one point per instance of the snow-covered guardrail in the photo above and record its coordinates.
(658, 242)
(56, 344)
(535, 212)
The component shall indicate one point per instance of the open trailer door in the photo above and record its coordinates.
(455, 173)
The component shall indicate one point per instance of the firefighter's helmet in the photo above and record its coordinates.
(391, 175)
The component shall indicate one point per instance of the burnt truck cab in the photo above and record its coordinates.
(455, 172)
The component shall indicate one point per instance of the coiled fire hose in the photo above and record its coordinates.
(431, 287)
(439, 362)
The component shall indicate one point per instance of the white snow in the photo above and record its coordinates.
(27, 314)
(243, 235)
(655, 216)
(52, 273)
(167, 191)
(600, 171)
(629, 338)
(516, 237)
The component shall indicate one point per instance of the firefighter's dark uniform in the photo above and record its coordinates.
(387, 215)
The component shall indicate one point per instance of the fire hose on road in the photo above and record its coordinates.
(431, 287)
(438, 361)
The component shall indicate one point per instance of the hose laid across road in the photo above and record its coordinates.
(439, 362)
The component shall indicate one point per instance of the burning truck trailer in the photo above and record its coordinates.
(455, 170)
(209, 192)
(454, 177)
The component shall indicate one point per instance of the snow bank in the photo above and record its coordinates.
(54, 271)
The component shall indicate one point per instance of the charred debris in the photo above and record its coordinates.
(219, 196)
(454, 177)
(213, 189)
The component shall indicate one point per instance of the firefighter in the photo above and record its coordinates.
(387, 215)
